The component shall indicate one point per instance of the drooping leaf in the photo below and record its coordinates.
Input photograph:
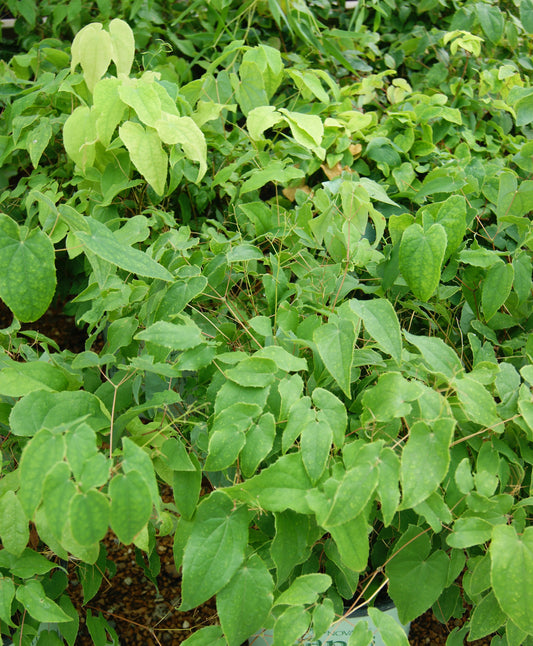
(92, 48)
(215, 549)
(351, 538)
(304, 590)
(290, 545)
(27, 270)
(389, 629)
(315, 445)
(491, 20)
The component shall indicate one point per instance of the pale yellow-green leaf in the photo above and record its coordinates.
(123, 45)
(146, 153)
(79, 136)
(183, 131)
(141, 95)
(92, 48)
(260, 119)
(108, 108)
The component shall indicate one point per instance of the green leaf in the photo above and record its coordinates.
(146, 153)
(291, 625)
(335, 343)
(207, 636)
(14, 529)
(131, 505)
(417, 578)
(7, 594)
(253, 372)
(388, 488)
(92, 48)
(23, 378)
(439, 358)
(389, 629)
(333, 412)
(39, 456)
(260, 119)
(274, 171)
(486, 618)
(33, 597)
(172, 335)
(186, 487)
(491, 20)
(42, 409)
(351, 538)
(89, 516)
(27, 270)
(421, 256)
(478, 404)
(381, 322)
(496, 288)
(307, 129)
(244, 603)
(38, 139)
(58, 490)
(282, 485)
(468, 531)
(101, 241)
(284, 360)
(108, 109)
(524, 110)
(451, 215)
(352, 495)
(526, 15)
(290, 545)
(215, 549)
(427, 445)
(182, 130)
(315, 446)
(27, 564)
(512, 572)
(259, 442)
(304, 590)
(361, 635)
(389, 398)
(79, 136)
(123, 45)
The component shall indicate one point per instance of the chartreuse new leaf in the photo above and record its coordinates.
(215, 549)
(92, 47)
(184, 131)
(122, 44)
(146, 153)
(244, 603)
(512, 572)
(27, 270)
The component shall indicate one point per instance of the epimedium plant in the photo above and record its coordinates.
(329, 363)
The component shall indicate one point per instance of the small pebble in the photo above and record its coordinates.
(186, 624)
(128, 580)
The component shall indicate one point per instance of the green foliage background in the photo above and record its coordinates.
(304, 231)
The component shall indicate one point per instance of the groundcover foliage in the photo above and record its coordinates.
(304, 233)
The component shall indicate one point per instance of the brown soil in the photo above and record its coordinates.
(141, 613)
